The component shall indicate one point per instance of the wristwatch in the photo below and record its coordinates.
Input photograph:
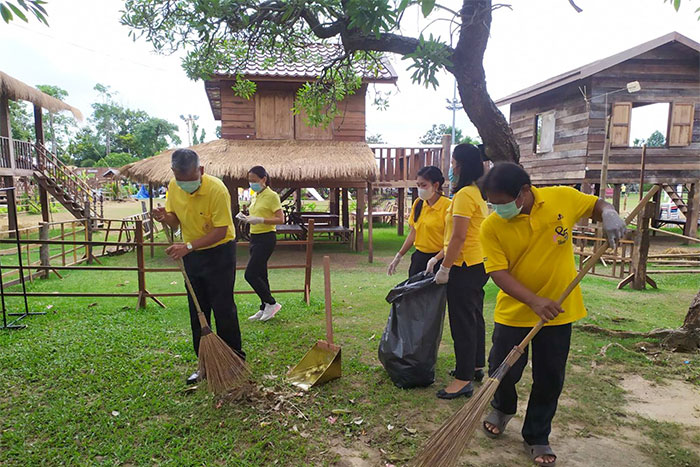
(189, 246)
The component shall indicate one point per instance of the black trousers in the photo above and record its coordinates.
(550, 350)
(465, 304)
(212, 273)
(261, 248)
(419, 262)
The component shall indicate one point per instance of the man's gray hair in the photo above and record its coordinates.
(184, 160)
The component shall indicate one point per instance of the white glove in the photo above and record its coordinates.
(394, 264)
(242, 217)
(255, 220)
(443, 275)
(613, 226)
(430, 269)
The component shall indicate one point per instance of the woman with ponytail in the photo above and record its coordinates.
(427, 222)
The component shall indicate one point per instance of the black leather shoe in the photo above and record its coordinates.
(478, 375)
(466, 391)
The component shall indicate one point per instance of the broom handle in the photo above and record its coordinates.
(327, 295)
(202, 319)
(587, 267)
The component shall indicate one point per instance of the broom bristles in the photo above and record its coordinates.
(222, 367)
(447, 443)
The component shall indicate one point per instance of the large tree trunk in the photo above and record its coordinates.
(471, 82)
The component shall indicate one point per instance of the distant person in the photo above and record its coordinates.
(427, 222)
(462, 270)
(265, 214)
(200, 205)
(529, 253)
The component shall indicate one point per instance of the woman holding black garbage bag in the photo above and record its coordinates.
(427, 222)
(463, 271)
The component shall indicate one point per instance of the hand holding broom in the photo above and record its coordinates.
(222, 367)
(447, 443)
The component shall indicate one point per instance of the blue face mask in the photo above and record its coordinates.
(189, 187)
(452, 177)
(256, 187)
(507, 210)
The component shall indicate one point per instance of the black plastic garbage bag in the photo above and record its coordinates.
(409, 346)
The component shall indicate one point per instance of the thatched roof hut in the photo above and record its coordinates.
(290, 163)
(16, 90)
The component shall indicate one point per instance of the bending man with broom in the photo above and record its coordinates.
(201, 206)
(529, 253)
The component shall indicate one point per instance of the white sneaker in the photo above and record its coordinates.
(256, 316)
(270, 311)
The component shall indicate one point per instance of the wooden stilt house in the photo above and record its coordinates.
(560, 123)
(263, 130)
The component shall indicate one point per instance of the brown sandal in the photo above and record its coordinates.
(499, 420)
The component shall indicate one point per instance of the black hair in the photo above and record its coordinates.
(260, 171)
(433, 175)
(505, 177)
(471, 167)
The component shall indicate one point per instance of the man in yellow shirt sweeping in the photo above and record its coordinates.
(529, 253)
(201, 206)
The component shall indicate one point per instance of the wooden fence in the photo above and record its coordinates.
(70, 244)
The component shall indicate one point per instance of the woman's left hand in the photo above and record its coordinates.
(443, 275)
(255, 220)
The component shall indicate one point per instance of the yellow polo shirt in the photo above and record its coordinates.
(538, 251)
(265, 205)
(430, 226)
(200, 212)
(468, 203)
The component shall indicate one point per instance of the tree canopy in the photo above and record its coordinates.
(435, 133)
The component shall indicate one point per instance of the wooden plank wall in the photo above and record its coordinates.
(238, 116)
(666, 74)
(566, 162)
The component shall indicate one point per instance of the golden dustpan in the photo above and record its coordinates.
(322, 362)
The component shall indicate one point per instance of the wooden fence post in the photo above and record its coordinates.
(152, 229)
(44, 250)
(309, 261)
(88, 233)
(641, 247)
(141, 264)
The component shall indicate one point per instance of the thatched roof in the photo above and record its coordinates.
(289, 161)
(16, 90)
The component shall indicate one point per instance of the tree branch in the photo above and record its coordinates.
(576, 7)
(386, 42)
(322, 31)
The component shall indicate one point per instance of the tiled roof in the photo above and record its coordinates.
(309, 63)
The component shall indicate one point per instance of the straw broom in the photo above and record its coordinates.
(447, 443)
(222, 367)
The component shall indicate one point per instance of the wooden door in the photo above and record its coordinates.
(680, 128)
(620, 124)
(273, 115)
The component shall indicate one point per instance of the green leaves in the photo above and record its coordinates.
(9, 10)
(427, 7)
(244, 88)
(319, 99)
(371, 16)
(430, 56)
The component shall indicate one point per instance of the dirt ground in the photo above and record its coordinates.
(676, 401)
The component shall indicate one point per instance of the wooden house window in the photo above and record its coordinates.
(273, 115)
(620, 124)
(544, 132)
(680, 126)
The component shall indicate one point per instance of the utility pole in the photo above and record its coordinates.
(189, 121)
(454, 105)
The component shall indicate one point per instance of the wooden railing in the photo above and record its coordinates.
(24, 153)
(397, 164)
(84, 250)
(52, 167)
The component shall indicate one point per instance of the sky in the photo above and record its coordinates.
(530, 42)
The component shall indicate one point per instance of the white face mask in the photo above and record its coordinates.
(425, 193)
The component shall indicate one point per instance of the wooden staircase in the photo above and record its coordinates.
(676, 198)
(65, 185)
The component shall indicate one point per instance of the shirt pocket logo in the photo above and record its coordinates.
(561, 234)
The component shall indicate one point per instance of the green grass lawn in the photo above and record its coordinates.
(98, 382)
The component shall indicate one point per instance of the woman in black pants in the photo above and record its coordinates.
(265, 214)
(463, 271)
(427, 222)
